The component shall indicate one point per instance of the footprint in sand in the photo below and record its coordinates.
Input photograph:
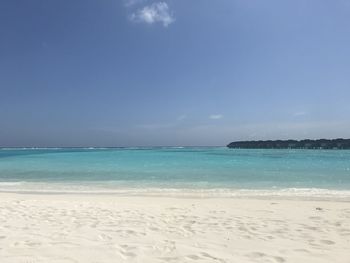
(193, 257)
(207, 255)
(170, 259)
(126, 251)
(327, 242)
(303, 250)
(261, 255)
(104, 237)
(203, 256)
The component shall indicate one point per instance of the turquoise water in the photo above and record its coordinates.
(190, 168)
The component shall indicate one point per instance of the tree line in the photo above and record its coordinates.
(293, 144)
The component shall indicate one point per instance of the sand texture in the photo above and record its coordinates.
(110, 228)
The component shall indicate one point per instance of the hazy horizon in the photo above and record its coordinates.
(119, 73)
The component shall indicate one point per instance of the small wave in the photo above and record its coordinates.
(111, 188)
(10, 183)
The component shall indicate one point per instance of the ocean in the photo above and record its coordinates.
(211, 169)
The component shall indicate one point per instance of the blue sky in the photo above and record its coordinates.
(179, 72)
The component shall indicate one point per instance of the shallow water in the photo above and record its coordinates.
(174, 168)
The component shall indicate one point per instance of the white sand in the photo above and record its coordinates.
(110, 228)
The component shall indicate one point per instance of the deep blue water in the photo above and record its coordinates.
(201, 167)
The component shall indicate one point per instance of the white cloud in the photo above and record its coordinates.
(215, 116)
(154, 13)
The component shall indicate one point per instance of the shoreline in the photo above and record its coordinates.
(317, 194)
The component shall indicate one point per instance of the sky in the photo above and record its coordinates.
(177, 72)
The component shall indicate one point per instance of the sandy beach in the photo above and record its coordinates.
(110, 228)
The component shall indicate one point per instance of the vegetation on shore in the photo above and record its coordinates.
(293, 144)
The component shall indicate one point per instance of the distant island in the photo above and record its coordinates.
(292, 144)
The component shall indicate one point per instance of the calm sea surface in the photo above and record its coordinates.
(173, 168)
